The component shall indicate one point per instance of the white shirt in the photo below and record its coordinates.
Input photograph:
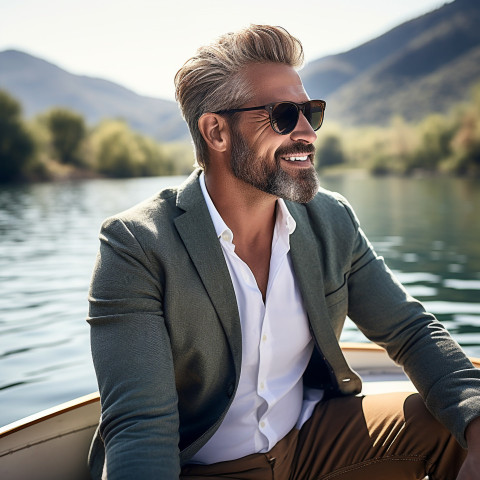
(276, 348)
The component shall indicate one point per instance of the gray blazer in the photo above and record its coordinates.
(166, 338)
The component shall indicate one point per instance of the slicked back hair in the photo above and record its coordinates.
(212, 79)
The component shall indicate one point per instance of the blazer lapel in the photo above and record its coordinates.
(307, 264)
(308, 269)
(196, 229)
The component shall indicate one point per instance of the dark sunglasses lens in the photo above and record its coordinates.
(284, 117)
(314, 113)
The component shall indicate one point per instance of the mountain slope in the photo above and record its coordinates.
(424, 65)
(427, 64)
(40, 85)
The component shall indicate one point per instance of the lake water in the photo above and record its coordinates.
(427, 229)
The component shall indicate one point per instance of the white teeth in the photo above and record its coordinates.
(297, 159)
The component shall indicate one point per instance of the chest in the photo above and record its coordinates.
(274, 325)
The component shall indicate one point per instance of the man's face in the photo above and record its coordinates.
(280, 165)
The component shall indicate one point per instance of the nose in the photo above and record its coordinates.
(303, 131)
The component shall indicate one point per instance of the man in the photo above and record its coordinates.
(216, 307)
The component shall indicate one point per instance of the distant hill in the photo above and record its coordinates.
(40, 85)
(424, 65)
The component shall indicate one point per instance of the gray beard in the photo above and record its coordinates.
(256, 171)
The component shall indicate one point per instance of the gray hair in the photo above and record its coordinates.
(212, 79)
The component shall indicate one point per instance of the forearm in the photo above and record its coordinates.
(138, 455)
(444, 376)
(139, 424)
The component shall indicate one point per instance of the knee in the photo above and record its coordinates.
(426, 428)
(417, 415)
(416, 412)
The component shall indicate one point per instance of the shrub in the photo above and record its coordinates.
(16, 145)
(68, 131)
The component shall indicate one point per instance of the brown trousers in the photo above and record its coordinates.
(388, 436)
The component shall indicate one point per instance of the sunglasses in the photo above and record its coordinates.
(284, 115)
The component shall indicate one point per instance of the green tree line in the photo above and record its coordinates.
(58, 144)
(441, 143)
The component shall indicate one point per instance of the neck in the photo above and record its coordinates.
(248, 212)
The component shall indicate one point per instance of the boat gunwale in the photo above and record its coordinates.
(49, 413)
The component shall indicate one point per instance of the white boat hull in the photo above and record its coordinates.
(52, 444)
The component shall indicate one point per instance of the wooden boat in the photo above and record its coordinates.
(54, 444)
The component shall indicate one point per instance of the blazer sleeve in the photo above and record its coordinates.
(133, 361)
(413, 338)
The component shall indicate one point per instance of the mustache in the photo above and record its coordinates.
(295, 148)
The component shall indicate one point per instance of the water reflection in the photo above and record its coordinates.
(427, 229)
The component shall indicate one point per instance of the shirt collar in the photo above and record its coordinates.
(284, 218)
(221, 227)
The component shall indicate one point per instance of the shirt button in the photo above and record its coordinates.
(226, 236)
(262, 386)
(264, 338)
(262, 424)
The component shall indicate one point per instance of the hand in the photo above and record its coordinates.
(471, 466)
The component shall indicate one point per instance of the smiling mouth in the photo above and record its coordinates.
(296, 158)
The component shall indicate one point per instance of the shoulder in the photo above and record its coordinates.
(162, 202)
(147, 215)
(152, 223)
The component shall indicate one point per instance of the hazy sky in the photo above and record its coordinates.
(141, 44)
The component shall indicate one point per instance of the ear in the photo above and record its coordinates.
(214, 130)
